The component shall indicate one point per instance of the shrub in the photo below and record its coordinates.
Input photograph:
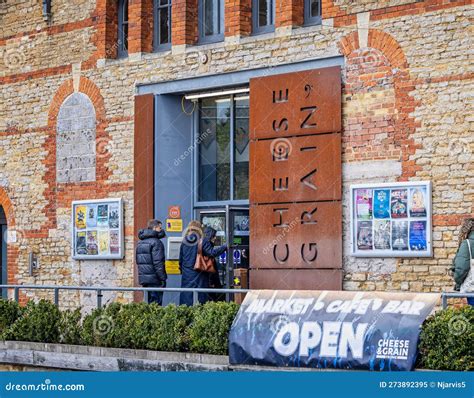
(169, 327)
(70, 327)
(97, 326)
(446, 340)
(10, 311)
(203, 328)
(39, 322)
(210, 329)
(131, 327)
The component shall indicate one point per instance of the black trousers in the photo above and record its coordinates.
(155, 297)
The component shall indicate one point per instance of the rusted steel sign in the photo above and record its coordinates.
(296, 169)
(297, 235)
(299, 103)
(295, 175)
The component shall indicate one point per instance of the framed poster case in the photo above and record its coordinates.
(391, 219)
(97, 229)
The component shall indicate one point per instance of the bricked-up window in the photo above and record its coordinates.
(263, 16)
(162, 25)
(122, 28)
(211, 20)
(76, 140)
(312, 12)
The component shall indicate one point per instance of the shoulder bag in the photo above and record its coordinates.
(203, 263)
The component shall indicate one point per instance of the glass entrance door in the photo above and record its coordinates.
(232, 226)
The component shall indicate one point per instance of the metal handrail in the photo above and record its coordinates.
(145, 290)
(446, 295)
(100, 289)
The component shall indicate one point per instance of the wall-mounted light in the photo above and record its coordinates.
(47, 10)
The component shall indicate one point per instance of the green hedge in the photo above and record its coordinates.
(201, 329)
(10, 311)
(445, 341)
(38, 322)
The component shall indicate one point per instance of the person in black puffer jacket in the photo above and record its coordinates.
(150, 258)
(187, 258)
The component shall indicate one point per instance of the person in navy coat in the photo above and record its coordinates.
(190, 278)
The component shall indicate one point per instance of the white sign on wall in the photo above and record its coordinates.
(97, 229)
(391, 219)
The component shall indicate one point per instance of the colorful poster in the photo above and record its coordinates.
(104, 242)
(382, 236)
(399, 203)
(114, 242)
(80, 217)
(364, 235)
(92, 248)
(91, 219)
(399, 235)
(113, 216)
(381, 203)
(418, 202)
(103, 215)
(418, 235)
(364, 203)
(81, 247)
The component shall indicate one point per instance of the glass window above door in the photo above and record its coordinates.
(223, 149)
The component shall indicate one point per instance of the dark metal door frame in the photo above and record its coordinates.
(224, 210)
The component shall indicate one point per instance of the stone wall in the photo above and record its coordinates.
(407, 115)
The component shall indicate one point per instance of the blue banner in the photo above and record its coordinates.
(325, 329)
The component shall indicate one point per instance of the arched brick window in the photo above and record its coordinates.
(76, 140)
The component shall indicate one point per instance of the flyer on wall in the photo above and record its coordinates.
(113, 216)
(81, 246)
(91, 220)
(418, 235)
(104, 241)
(382, 236)
(399, 203)
(381, 203)
(114, 242)
(92, 246)
(418, 202)
(103, 216)
(80, 217)
(400, 235)
(364, 203)
(364, 235)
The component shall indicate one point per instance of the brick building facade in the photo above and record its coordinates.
(407, 115)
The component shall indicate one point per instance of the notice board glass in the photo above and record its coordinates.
(391, 220)
(97, 229)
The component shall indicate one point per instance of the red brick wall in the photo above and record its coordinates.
(106, 15)
(289, 13)
(238, 17)
(184, 29)
(140, 14)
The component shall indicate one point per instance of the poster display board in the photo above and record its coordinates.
(97, 229)
(391, 220)
(376, 331)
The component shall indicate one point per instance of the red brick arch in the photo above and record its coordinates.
(404, 124)
(62, 196)
(12, 250)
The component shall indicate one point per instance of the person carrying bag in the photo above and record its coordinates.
(197, 260)
(463, 264)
